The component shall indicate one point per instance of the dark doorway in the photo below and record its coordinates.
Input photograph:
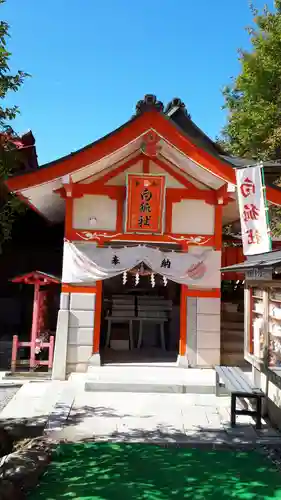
(140, 322)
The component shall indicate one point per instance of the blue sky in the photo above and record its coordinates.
(92, 60)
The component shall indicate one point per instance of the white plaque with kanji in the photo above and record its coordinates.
(252, 209)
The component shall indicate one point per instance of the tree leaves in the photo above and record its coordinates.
(253, 99)
(10, 206)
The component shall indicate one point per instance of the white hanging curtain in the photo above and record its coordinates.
(85, 263)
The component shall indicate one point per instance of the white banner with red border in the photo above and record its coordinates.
(252, 208)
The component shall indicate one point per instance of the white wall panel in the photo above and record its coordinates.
(193, 217)
(102, 208)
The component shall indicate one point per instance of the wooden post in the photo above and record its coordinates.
(42, 316)
(183, 313)
(183, 321)
(51, 352)
(218, 227)
(98, 311)
(14, 353)
(35, 323)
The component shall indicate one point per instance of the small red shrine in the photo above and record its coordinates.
(40, 281)
(144, 209)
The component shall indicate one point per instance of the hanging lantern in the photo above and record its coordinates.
(152, 280)
(124, 277)
(137, 279)
(165, 281)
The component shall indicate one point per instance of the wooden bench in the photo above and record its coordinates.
(122, 311)
(235, 381)
(154, 310)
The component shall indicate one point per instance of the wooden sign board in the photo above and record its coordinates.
(259, 274)
(145, 203)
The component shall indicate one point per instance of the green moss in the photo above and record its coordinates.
(105, 471)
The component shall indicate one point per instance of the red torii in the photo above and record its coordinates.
(38, 279)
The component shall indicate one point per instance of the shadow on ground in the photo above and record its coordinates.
(105, 471)
(77, 415)
(150, 430)
(24, 427)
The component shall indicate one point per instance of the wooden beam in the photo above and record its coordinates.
(118, 170)
(218, 227)
(145, 164)
(98, 311)
(107, 236)
(176, 175)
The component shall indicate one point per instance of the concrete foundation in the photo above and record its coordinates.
(74, 336)
(203, 332)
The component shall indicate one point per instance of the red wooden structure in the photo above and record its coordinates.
(39, 280)
(230, 256)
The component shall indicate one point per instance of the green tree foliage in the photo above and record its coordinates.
(253, 99)
(10, 206)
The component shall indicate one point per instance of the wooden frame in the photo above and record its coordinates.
(176, 238)
(129, 179)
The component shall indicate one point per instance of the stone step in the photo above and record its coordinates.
(146, 387)
(149, 380)
(28, 375)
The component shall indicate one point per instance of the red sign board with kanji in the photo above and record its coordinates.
(145, 203)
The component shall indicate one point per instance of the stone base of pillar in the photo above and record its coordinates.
(93, 362)
(182, 361)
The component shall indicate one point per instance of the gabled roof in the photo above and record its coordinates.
(36, 276)
(178, 114)
(182, 142)
(151, 116)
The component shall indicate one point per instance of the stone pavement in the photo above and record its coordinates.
(171, 418)
(28, 412)
(66, 411)
(6, 394)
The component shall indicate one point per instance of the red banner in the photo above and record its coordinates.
(145, 203)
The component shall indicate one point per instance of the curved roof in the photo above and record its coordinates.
(183, 143)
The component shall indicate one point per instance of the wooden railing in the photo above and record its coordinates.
(32, 361)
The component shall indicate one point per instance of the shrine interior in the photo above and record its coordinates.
(140, 319)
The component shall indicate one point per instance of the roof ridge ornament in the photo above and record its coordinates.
(150, 145)
(149, 103)
(176, 102)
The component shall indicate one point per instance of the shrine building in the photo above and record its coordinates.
(144, 208)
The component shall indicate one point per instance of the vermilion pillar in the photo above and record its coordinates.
(35, 322)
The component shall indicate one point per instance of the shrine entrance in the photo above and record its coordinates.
(140, 319)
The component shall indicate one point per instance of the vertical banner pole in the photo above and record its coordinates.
(266, 207)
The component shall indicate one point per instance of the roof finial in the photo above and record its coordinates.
(149, 103)
(176, 102)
